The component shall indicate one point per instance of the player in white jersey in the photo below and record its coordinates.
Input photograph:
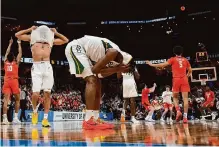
(167, 103)
(41, 41)
(81, 54)
(130, 92)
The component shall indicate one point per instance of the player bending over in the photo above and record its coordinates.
(81, 54)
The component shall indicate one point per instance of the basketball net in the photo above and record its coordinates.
(203, 82)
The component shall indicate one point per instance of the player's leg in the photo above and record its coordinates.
(16, 92)
(176, 89)
(171, 112)
(185, 88)
(150, 114)
(97, 99)
(36, 87)
(185, 104)
(133, 109)
(47, 84)
(7, 94)
(176, 104)
(165, 112)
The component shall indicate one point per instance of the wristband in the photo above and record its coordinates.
(99, 75)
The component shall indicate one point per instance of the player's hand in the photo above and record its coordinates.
(33, 28)
(155, 85)
(11, 41)
(53, 30)
(124, 68)
(148, 62)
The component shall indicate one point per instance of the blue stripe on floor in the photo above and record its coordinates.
(10, 142)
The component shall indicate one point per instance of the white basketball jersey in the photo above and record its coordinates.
(95, 48)
(42, 34)
(167, 95)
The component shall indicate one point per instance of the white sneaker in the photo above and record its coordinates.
(162, 120)
(213, 116)
(135, 121)
(147, 118)
(5, 121)
(151, 120)
(202, 119)
(16, 121)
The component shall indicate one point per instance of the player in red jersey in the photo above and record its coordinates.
(209, 101)
(11, 85)
(146, 103)
(179, 65)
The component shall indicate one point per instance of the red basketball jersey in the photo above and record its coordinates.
(179, 66)
(11, 69)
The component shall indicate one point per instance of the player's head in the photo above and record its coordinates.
(167, 88)
(207, 88)
(10, 57)
(178, 50)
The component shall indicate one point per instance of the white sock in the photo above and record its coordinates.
(15, 115)
(96, 114)
(89, 114)
(5, 116)
(133, 117)
(45, 116)
(185, 115)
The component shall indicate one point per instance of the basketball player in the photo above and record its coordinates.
(146, 103)
(130, 92)
(103, 53)
(180, 79)
(41, 41)
(167, 103)
(209, 101)
(11, 85)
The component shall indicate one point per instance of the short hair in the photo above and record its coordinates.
(167, 86)
(10, 57)
(178, 50)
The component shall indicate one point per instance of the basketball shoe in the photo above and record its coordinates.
(45, 123)
(34, 118)
(92, 124)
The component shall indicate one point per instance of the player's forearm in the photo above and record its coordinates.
(110, 56)
(62, 37)
(108, 71)
(19, 52)
(9, 48)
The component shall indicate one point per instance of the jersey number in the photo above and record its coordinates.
(78, 48)
(180, 64)
(9, 68)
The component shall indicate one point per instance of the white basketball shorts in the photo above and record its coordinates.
(79, 64)
(42, 76)
(129, 88)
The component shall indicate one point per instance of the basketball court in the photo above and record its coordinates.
(70, 133)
